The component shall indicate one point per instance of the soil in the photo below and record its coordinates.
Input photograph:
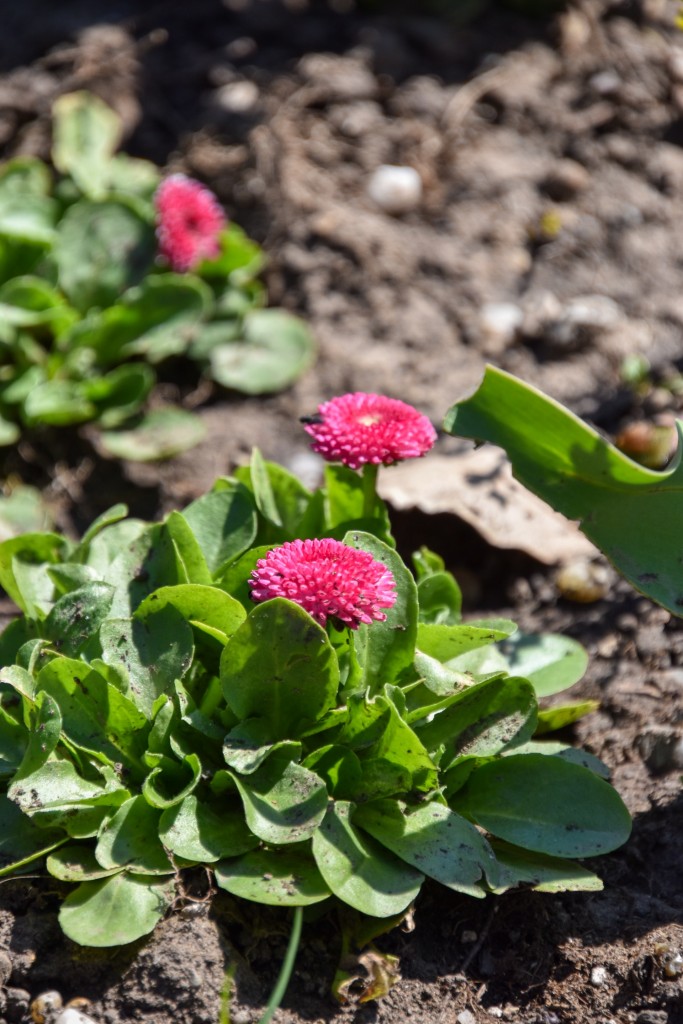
(549, 150)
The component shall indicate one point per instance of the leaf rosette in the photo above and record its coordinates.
(153, 718)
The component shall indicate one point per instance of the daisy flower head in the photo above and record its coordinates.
(327, 579)
(361, 428)
(189, 222)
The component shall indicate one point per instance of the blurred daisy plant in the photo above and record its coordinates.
(107, 271)
(260, 687)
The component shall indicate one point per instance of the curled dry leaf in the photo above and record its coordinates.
(478, 487)
(367, 976)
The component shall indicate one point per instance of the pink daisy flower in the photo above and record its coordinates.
(189, 222)
(327, 579)
(359, 428)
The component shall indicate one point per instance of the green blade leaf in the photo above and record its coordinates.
(630, 512)
(482, 720)
(280, 666)
(539, 872)
(275, 350)
(283, 802)
(359, 870)
(199, 605)
(116, 910)
(445, 642)
(154, 653)
(159, 434)
(197, 832)
(279, 877)
(386, 649)
(545, 804)
(131, 839)
(549, 661)
(224, 523)
(434, 839)
(86, 134)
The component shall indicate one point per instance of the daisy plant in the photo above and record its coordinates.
(259, 687)
(108, 271)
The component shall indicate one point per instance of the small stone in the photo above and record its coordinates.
(468, 936)
(237, 97)
(583, 581)
(495, 1011)
(598, 976)
(582, 320)
(566, 179)
(46, 1006)
(501, 321)
(466, 1017)
(605, 83)
(70, 1015)
(395, 189)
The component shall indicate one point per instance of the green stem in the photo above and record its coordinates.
(278, 992)
(370, 470)
(11, 868)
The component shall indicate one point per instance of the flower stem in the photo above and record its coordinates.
(278, 992)
(370, 470)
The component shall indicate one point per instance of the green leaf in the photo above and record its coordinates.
(434, 839)
(205, 608)
(154, 653)
(113, 515)
(482, 720)
(280, 496)
(23, 510)
(224, 523)
(13, 738)
(240, 257)
(439, 599)
(20, 838)
(385, 649)
(550, 719)
(96, 716)
(28, 218)
(447, 642)
(159, 434)
(29, 301)
(119, 393)
(188, 550)
(549, 661)
(359, 870)
(29, 551)
(101, 249)
(116, 910)
(197, 832)
(58, 403)
(247, 746)
(275, 350)
(280, 666)
(77, 616)
(167, 784)
(539, 872)
(546, 805)
(131, 839)
(76, 863)
(24, 176)
(338, 767)
(575, 755)
(165, 312)
(136, 559)
(285, 877)
(630, 512)
(9, 432)
(85, 135)
(283, 801)
(45, 730)
(130, 174)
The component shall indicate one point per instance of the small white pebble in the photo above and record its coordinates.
(495, 1011)
(605, 83)
(468, 937)
(598, 976)
(466, 1017)
(395, 189)
(72, 1016)
(238, 97)
(501, 319)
